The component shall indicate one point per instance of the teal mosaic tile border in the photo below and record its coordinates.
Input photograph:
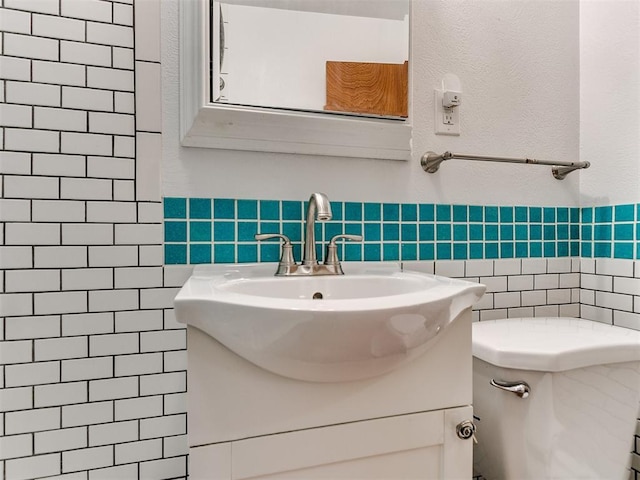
(221, 230)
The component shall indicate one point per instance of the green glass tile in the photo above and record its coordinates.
(409, 212)
(460, 251)
(460, 213)
(269, 252)
(563, 231)
(224, 253)
(247, 253)
(521, 214)
(563, 249)
(549, 249)
(199, 253)
(409, 232)
(269, 210)
(535, 214)
(390, 231)
(476, 231)
(353, 211)
(372, 232)
(574, 248)
(549, 215)
(248, 209)
(247, 231)
(602, 249)
(426, 232)
(549, 232)
(175, 254)
(624, 213)
(476, 250)
(506, 214)
(292, 210)
(331, 229)
(602, 232)
(443, 231)
(224, 232)
(506, 250)
(426, 251)
(443, 251)
(491, 214)
(353, 252)
(443, 213)
(623, 250)
(491, 232)
(563, 215)
(586, 215)
(223, 208)
(522, 232)
(427, 213)
(491, 250)
(459, 233)
(603, 214)
(175, 207)
(522, 249)
(175, 231)
(476, 213)
(409, 251)
(535, 232)
(623, 231)
(353, 228)
(337, 211)
(535, 249)
(200, 208)
(200, 232)
(372, 252)
(372, 212)
(293, 230)
(390, 252)
(390, 212)
(506, 232)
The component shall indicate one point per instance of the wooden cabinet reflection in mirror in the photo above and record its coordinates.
(367, 88)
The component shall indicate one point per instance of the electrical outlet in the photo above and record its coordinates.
(447, 116)
(447, 120)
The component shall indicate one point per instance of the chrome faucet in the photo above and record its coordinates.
(319, 208)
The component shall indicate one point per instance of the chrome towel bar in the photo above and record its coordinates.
(431, 161)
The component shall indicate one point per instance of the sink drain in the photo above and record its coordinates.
(317, 296)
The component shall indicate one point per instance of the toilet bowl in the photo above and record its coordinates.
(564, 399)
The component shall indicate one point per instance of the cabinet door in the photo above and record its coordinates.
(417, 446)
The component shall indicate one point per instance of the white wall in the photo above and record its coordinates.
(518, 63)
(610, 101)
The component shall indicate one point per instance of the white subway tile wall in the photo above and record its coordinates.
(92, 362)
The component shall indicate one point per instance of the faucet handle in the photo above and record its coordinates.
(286, 259)
(331, 258)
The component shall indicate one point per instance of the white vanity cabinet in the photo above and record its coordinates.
(245, 422)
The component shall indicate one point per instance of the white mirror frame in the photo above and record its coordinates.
(216, 125)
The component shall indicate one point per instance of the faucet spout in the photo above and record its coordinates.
(319, 208)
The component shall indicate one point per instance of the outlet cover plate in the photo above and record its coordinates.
(442, 128)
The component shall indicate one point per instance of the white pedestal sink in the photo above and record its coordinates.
(323, 328)
(368, 382)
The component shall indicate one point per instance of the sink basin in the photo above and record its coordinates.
(371, 320)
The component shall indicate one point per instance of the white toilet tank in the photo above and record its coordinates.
(578, 419)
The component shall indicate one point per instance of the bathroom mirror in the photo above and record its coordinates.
(272, 99)
(347, 56)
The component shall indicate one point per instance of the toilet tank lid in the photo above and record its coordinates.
(553, 344)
